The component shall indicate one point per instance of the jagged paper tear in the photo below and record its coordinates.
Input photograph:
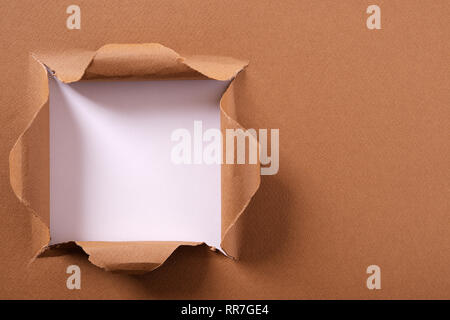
(29, 158)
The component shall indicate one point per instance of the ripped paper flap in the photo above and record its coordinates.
(29, 158)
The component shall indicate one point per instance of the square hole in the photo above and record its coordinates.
(111, 174)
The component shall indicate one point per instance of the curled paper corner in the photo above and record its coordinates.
(29, 157)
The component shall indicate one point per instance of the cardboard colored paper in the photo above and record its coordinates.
(363, 116)
(29, 159)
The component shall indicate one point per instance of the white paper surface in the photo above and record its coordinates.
(111, 175)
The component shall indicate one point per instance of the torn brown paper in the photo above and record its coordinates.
(29, 158)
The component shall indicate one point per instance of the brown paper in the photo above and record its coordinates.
(29, 158)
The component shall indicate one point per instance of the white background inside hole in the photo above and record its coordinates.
(111, 175)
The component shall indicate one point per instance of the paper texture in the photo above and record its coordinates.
(29, 158)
